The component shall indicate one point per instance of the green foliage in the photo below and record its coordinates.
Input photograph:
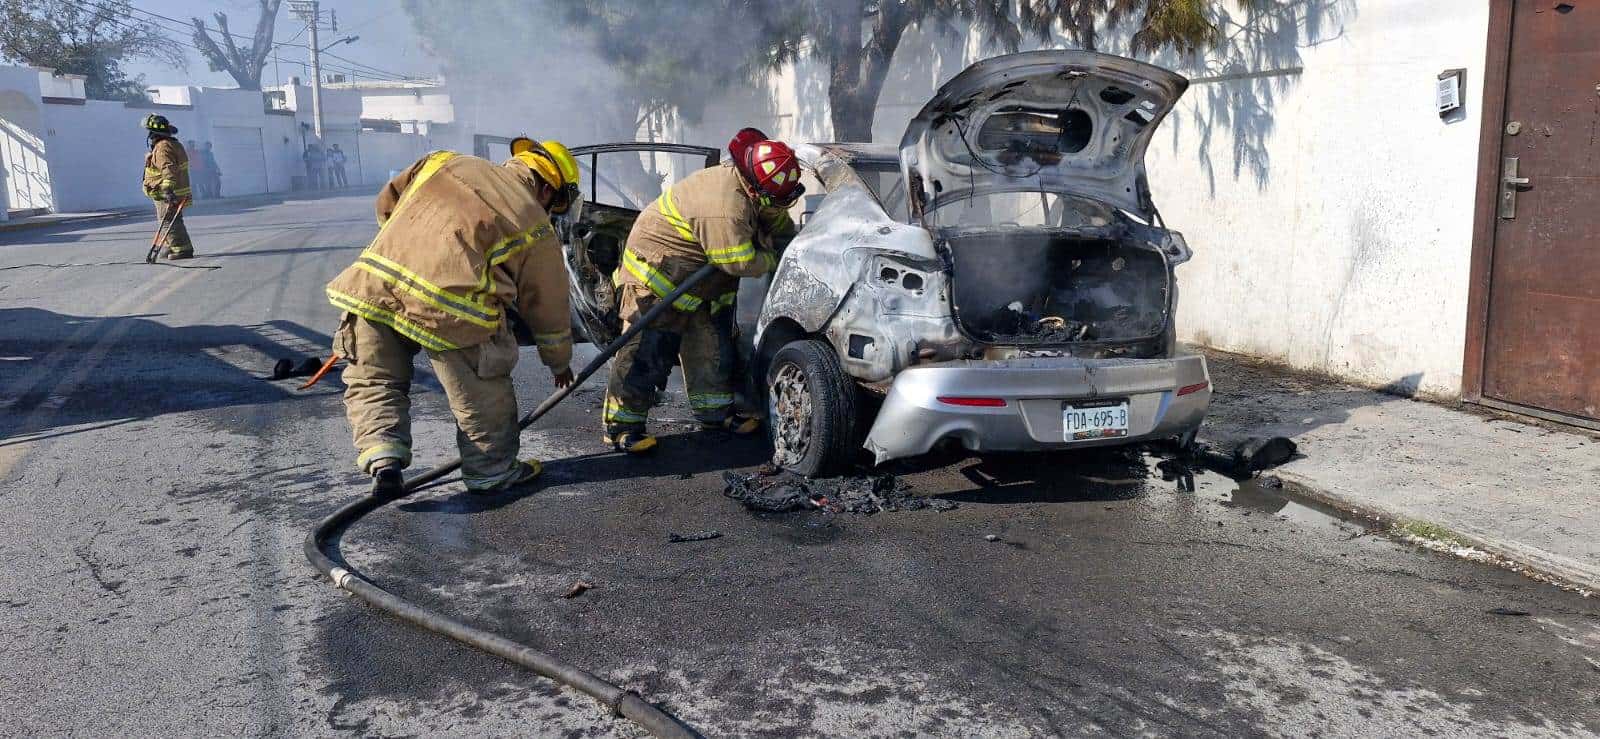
(831, 32)
(1184, 25)
(91, 40)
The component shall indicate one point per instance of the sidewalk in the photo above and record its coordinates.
(199, 207)
(58, 219)
(1528, 492)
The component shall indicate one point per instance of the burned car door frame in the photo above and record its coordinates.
(593, 247)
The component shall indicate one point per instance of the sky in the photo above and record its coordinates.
(387, 40)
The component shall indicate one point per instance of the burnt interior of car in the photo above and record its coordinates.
(1049, 289)
(606, 232)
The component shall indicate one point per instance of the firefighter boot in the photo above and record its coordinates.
(632, 441)
(526, 471)
(734, 423)
(387, 483)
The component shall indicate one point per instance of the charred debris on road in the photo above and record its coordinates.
(772, 490)
(1247, 459)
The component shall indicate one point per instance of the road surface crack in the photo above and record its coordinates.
(85, 552)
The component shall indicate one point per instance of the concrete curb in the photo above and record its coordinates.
(1532, 561)
(29, 223)
(199, 207)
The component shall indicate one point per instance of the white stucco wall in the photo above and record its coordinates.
(60, 85)
(406, 104)
(97, 152)
(25, 177)
(1329, 208)
(73, 155)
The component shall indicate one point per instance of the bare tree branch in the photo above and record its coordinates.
(244, 65)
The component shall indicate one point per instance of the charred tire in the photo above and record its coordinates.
(811, 407)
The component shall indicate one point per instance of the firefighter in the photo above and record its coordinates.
(461, 244)
(733, 216)
(166, 181)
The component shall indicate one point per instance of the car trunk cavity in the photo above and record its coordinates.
(1051, 288)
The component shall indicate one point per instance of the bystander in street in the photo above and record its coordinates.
(336, 159)
(197, 171)
(314, 159)
(211, 181)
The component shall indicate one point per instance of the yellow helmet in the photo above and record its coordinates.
(555, 165)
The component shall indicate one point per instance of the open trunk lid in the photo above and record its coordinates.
(1068, 122)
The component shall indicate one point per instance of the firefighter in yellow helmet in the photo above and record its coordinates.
(166, 181)
(461, 244)
(735, 217)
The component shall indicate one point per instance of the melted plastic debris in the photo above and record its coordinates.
(676, 538)
(1247, 459)
(780, 492)
(284, 369)
(1256, 454)
(1014, 324)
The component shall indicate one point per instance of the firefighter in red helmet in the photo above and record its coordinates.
(734, 216)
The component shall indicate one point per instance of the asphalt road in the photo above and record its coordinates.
(155, 489)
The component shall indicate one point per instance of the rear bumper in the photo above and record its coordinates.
(913, 418)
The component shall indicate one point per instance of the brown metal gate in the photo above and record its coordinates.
(1536, 290)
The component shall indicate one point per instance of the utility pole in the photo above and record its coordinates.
(310, 11)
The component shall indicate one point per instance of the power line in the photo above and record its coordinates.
(99, 7)
(359, 65)
(124, 22)
(350, 69)
(189, 27)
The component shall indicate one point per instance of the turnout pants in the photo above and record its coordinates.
(177, 239)
(702, 344)
(476, 380)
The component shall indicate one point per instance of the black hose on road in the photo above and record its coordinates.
(321, 547)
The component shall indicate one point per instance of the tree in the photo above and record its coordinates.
(244, 65)
(857, 39)
(590, 70)
(605, 53)
(88, 39)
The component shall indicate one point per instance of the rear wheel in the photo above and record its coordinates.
(811, 407)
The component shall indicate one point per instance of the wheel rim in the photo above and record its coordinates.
(789, 408)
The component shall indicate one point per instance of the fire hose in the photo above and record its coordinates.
(321, 548)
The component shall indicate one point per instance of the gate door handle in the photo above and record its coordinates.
(1509, 184)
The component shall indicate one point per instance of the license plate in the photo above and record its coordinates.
(1098, 420)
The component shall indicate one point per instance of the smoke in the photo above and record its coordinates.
(510, 72)
(583, 71)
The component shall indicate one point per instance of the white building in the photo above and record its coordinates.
(62, 152)
(25, 184)
(412, 106)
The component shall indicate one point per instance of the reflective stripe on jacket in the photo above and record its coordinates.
(166, 170)
(704, 219)
(459, 241)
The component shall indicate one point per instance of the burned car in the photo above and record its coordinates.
(1002, 280)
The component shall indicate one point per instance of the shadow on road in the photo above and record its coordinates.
(61, 370)
(277, 252)
(1060, 477)
(680, 456)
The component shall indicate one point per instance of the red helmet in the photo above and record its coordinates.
(744, 139)
(774, 172)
